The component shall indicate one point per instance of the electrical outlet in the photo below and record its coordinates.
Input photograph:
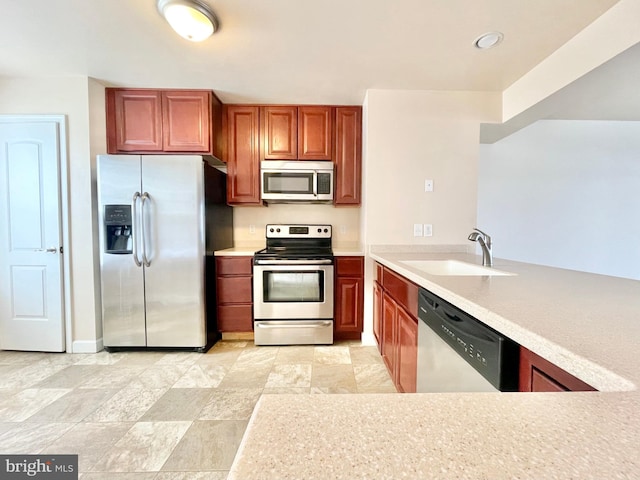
(252, 229)
(417, 229)
(428, 230)
(428, 185)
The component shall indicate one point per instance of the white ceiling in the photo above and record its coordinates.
(291, 51)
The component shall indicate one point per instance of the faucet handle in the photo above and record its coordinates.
(487, 237)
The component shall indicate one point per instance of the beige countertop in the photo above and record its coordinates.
(587, 324)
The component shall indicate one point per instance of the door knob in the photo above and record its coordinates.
(48, 250)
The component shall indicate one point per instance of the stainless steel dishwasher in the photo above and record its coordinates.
(457, 353)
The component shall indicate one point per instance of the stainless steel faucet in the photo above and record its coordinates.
(485, 243)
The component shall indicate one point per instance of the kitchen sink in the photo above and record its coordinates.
(454, 268)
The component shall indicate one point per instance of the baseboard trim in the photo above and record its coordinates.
(88, 346)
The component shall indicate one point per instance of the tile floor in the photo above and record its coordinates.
(163, 415)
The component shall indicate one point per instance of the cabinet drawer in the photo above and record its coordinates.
(235, 318)
(234, 290)
(350, 266)
(402, 290)
(234, 265)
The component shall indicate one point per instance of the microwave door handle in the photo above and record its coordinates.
(315, 183)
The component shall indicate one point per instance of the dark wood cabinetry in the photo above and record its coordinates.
(279, 132)
(315, 132)
(540, 375)
(243, 154)
(349, 298)
(163, 121)
(289, 132)
(407, 345)
(348, 155)
(396, 326)
(234, 282)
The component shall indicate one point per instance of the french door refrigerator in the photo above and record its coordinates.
(160, 218)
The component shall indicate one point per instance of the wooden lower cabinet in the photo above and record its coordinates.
(540, 375)
(234, 293)
(388, 348)
(349, 298)
(407, 357)
(395, 327)
(377, 314)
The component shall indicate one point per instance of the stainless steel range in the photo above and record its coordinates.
(293, 286)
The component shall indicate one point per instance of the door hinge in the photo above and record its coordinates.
(61, 250)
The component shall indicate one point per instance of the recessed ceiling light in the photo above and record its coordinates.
(488, 40)
(191, 19)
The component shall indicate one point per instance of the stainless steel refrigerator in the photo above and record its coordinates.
(160, 219)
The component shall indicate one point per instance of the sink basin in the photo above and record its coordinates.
(454, 268)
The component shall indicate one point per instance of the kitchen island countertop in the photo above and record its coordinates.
(585, 323)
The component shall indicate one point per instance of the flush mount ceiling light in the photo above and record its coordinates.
(191, 19)
(488, 40)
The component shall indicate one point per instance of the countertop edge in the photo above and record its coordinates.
(599, 377)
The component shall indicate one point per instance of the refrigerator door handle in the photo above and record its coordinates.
(145, 260)
(134, 203)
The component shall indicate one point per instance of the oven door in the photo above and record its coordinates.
(287, 291)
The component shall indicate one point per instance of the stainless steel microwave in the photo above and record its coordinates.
(296, 181)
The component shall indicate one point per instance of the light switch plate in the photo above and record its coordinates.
(428, 185)
(417, 229)
(428, 230)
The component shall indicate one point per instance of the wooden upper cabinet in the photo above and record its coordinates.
(163, 121)
(186, 121)
(243, 155)
(279, 132)
(134, 120)
(348, 155)
(315, 132)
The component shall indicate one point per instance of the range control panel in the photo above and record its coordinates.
(298, 231)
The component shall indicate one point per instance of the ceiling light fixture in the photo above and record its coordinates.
(488, 40)
(191, 19)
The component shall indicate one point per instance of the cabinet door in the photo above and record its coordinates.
(377, 314)
(349, 303)
(243, 156)
(134, 120)
(348, 155)
(540, 375)
(407, 351)
(389, 333)
(279, 130)
(315, 132)
(186, 121)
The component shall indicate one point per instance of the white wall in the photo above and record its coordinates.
(68, 96)
(416, 135)
(565, 193)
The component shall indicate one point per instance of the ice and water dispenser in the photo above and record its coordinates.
(118, 229)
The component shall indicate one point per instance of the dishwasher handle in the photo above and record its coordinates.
(456, 319)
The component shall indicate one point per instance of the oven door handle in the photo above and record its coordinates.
(323, 324)
(294, 262)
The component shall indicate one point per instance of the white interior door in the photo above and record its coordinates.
(31, 294)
